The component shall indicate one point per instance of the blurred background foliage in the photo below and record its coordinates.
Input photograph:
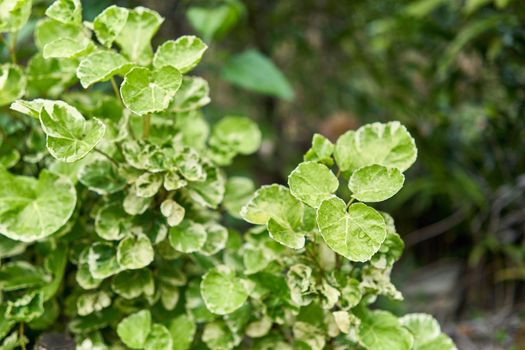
(452, 71)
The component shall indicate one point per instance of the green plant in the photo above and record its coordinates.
(111, 203)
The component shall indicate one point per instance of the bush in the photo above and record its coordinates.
(113, 206)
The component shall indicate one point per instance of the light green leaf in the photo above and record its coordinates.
(240, 134)
(222, 291)
(356, 234)
(109, 23)
(67, 47)
(14, 14)
(173, 181)
(102, 177)
(301, 284)
(387, 144)
(189, 165)
(101, 66)
(16, 275)
(50, 76)
(380, 330)
(210, 192)
(143, 155)
(131, 284)
(187, 237)
(48, 30)
(159, 338)
(237, 193)
(375, 183)
(91, 302)
(184, 53)
(134, 329)
(312, 183)
(111, 222)
(215, 22)
(275, 207)
(135, 252)
(217, 236)
(134, 39)
(32, 209)
(34, 107)
(69, 136)
(427, 333)
(144, 91)
(148, 184)
(321, 150)
(66, 11)
(102, 260)
(254, 71)
(173, 212)
(26, 308)
(12, 83)
(135, 205)
(182, 330)
(193, 94)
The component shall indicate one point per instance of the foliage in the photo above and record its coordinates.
(115, 201)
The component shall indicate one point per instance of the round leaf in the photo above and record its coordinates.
(184, 53)
(32, 209)
(102, 260)
(159, 338)
(109, 23)
(14, 14)
(240, 134)
(173, 212)
(194, 93)
(312, 183)
(135, 252)
(102, 177)
(356, 234)
(134, 329)
(188, 237)
(387, 144)
(375, 183)
(12, 83)
(221, 291)
(380, 330)
(101, 66)
(427, 333)
(237, 193)
(144, 91)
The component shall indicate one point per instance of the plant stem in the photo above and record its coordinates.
(146, 125)
(349, 202)
(21, 336)
(115, 89)
(12, 48)
(107, 156)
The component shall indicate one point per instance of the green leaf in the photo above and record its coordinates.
(16, 275)
(131, 284)
(173, 212)
(210, 192)
(321, 150)
(356, 234)
(135, 252)
(14, 15)
(109, 23)
(187, 237)
(48, 30)
(91, 302)
(282, 213)
(254, 71)
(67, 47)
(312, 183)
(26, 308)
(184, 53)
(148, 184)
(101, 177)
(182, 330)
(387, 144)
(159, 338)
(222, 291)
(301, 284)
(144, 91)
(192, 94)
(134, 329)
(102, 260)
(239, 134)
(217, 336)
(216, 237)
(33, 209)
(136, 205)
(380, 330)
(101, 66)
(50, 76)
(215, 22)
(375, 183)
(427, 333)
(237, 193)
(12, 83)
(111, 222)
(69, 136)
(134, 39)
(66, 11)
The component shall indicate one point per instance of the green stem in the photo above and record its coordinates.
(146, 126)
(349, 202)
(12, 48)
(21, 336)
(107, 156)
(115, 89)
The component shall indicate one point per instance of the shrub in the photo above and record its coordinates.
(112, 207)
